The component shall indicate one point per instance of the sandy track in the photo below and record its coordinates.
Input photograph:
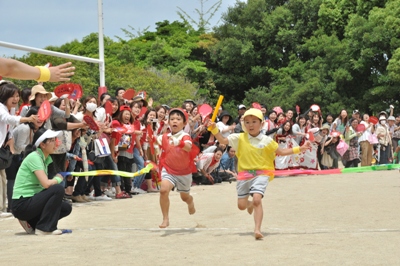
(348, 219)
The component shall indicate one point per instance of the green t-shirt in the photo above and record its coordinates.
(26, 182)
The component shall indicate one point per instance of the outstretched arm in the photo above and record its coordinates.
(11, 68)
(215, 131)
(283, 152)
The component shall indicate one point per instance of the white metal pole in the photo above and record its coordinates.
(52, 53)
(101, 44)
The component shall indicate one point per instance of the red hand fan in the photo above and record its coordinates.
(205, 110)
(360, 128)
(76, 92)
(109, 108)
(64, 89)
(129, 94)
(256, 105)
(373, 119)
(44, 111)
(142, 112)
(91, 123)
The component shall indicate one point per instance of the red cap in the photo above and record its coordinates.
(185, 114)
(124, 107)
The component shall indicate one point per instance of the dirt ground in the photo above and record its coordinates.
(348, 219)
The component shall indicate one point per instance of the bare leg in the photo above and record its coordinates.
(69, 190)
(166, 187)
(250, 207)
(150, 188)
(258, 215)
(186, 197)
(245, 204)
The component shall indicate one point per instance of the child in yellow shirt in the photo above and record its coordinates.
(256, 154)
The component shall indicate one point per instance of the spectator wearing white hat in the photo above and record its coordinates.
(9, 98)
(37, 200)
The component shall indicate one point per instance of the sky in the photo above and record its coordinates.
(42, 23)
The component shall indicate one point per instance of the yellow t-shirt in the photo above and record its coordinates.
(254, 153)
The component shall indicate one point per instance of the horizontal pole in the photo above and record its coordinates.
(51, 53)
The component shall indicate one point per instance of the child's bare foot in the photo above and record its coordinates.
(258, 235)
(250, 207)
(191, 208)
(164, 224)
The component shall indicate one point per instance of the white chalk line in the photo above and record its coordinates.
(227, 229)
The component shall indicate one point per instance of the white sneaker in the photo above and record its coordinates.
(43, 233)
(5, 214)
(102, 198)
(27, 227)
(109, 193)
(138, 190)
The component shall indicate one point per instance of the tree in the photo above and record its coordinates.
(203, 23)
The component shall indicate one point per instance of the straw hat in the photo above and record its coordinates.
(39, 89)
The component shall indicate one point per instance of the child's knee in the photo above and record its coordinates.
(257, 200)
(242, 204)
(242, 207)
(186, 197)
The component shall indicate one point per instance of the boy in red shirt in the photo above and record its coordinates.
(176, 163)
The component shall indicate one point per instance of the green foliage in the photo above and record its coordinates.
(335, 53)
(203, 23)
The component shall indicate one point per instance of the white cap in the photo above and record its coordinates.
(242, 106)
(382, 117)
(391, 118)
(53, 97)
(47, 135)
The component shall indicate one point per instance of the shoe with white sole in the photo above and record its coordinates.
(5, 214)
(43, 233)
(27, 227)
(138, 190)
(109, 193)
(102, 198)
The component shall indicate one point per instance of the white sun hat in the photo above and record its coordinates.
(47, 135)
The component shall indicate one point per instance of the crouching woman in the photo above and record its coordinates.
(38, 201)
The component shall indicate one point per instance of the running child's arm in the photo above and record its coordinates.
(217, 134)
(283, 152)
(184, 145)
